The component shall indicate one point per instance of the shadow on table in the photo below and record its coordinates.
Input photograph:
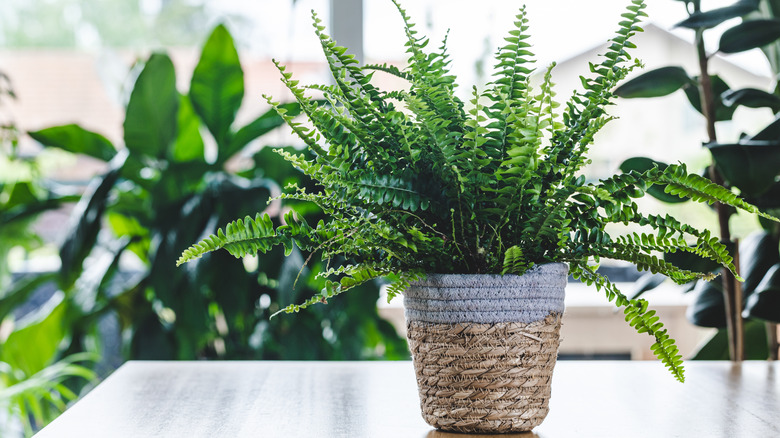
(442, 434)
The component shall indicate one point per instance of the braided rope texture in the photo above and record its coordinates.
(485, 378)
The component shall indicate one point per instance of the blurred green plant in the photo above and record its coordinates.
(750, 165)
(35, 383)
(160, 193)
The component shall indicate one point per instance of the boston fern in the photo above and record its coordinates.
(417, 181)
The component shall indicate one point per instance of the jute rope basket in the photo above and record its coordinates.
(484, 347)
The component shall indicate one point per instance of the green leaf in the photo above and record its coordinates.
(73, 138)
(88, 213)
(757, 254)
(189, 143)
(151, 120)
(708, 308)
(748, 35)
(751, 98)
(267, 122)
(34, 344)
(770, 133)
(217, 86)
(717, 348)
(655, 83)
(722, 112)
(643, 164)
(691, 262)
(750, 168)
(18, 292)
(764, 303)
(714, 17)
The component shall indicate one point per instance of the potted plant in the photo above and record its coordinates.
(477, 213)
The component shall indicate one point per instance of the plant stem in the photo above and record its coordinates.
(731, 292)
(774, 345)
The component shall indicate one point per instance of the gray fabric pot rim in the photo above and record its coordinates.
(456, 298)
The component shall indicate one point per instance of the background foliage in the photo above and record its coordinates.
(750, 165)
(160, 193)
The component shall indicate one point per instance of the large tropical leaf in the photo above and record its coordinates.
(751, 168)
(265, 123)
(34, 344)
(217, 86)
(655, 83)
(189, 144)
(87, 222)
(152, 112)
(708, 19)
(764, 303)
(750, 34)
(73, 138)
(643, 164)
(708, 308)
(719, 86)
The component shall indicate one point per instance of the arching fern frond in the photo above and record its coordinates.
(637, 316)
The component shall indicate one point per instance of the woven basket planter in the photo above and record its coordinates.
(484, 347)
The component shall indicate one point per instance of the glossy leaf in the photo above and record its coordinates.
(189, 144)
(764, 304)
(152, 112)
(642, 164)
(750, 34)
(34, 344)
(217, 86)
(708, 19)
(708, 308)
(655, 83)
(722, 112)
(690, 261)
(770, 133)
(758, 252)
(82, 235)
(750, 168)
(73, 138)
(19, 291)
(751, 98)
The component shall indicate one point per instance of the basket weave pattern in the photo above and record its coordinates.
(479, 378)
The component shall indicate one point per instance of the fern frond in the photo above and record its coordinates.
(637, 316)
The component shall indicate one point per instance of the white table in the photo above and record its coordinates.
(379, 399)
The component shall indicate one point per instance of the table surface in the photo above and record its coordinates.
(379, 399)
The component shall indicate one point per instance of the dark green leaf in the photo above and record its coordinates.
(34, 344)
(267, 122)
(716, 16)
(645, 283)
(708, 308)
(748, 35)
(722, 112)
(655, 83)
(75, 139)
(18, 292)
(189, 143)
(82, 235)
(217, 86)
(750, 168)
(764, 304)
(751, 98)
(757, 254)
(691, 262)
(717, 348)
(642, 164)
(150, 122)
(770, 133)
